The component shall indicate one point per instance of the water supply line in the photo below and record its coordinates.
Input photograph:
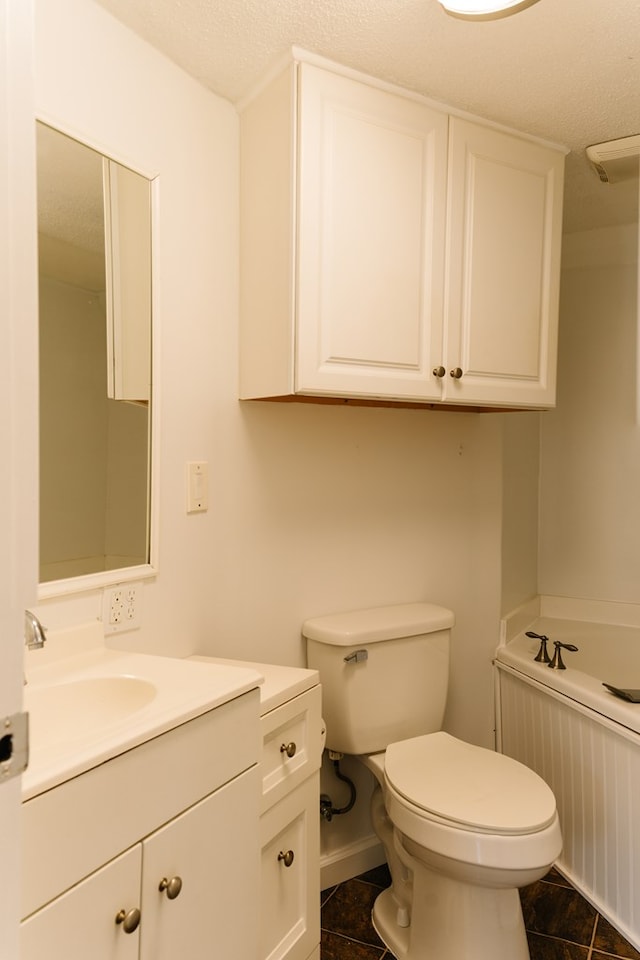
(327, 809)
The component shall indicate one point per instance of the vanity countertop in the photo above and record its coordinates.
(90, 706)
(279, 683)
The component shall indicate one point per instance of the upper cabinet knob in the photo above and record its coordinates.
(130, 919)
(171, 887)
(439, 372)
(456, 373)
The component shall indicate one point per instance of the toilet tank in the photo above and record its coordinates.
(384, 673)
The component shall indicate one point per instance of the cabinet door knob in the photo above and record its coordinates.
(287, 858)
(439, 372)
(456, 373)
(130, 919)
(171, 887)
(289, 749)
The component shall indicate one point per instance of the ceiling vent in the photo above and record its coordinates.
(616, 160)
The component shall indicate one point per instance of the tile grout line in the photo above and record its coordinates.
(593, 937)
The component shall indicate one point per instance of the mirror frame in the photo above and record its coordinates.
(97, 581)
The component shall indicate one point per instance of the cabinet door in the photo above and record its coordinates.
(372, 185)
(290, 903)
(213, 848)
(81, 924)
(505, 221)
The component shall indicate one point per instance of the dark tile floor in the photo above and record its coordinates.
(560, 924)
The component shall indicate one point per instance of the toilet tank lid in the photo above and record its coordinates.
(378, 623)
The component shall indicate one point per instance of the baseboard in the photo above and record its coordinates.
(349, 861)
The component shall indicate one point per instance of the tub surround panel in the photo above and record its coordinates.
(577, 609)
(596, 611)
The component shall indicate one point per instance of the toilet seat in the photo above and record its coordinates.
(468, 787)
(521, 833)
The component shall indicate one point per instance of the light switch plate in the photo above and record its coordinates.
(197, 486)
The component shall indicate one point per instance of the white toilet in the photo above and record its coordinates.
(462, 827)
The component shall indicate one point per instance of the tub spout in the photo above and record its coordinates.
(556, 663)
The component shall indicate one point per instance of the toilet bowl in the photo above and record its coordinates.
(462, 827)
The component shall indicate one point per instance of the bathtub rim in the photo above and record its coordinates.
(586, 692)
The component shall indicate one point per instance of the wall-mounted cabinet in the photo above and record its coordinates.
(391, 251)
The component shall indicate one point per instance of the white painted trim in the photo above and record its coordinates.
(19, 419)
(350, 861)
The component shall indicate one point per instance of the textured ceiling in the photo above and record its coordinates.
(566, 70)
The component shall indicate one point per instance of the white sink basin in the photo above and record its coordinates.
(89, 706)
(67, 712)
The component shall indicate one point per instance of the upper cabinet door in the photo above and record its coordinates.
(371, 227)
(505, 222)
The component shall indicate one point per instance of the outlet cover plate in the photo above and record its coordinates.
(122, 607)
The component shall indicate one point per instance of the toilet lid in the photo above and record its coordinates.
(470, 786)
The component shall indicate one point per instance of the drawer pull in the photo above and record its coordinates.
(130, 919)
(171, 887)
(288, 748)
(287, 858)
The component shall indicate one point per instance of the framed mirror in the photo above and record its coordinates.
(94, 253)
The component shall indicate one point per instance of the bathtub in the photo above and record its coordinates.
(585, 742)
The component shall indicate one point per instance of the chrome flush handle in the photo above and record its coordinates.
(358, 656)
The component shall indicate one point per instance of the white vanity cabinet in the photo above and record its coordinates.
(292, 744)
(290, 824)
(392, 252)
(163, 837)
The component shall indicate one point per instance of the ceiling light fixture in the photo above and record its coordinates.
(484, 9)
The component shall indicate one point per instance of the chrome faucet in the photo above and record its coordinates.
(34, 633)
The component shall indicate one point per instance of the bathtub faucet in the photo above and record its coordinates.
(556, 663)
(543, 656)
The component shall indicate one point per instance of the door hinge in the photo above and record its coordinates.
(14, 745)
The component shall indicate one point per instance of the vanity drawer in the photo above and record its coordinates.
(291, 745)
(290, 885)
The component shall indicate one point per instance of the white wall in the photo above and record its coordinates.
(520, 482)
(312, 508)
(590, 476)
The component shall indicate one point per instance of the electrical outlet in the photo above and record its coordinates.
(122, 607)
